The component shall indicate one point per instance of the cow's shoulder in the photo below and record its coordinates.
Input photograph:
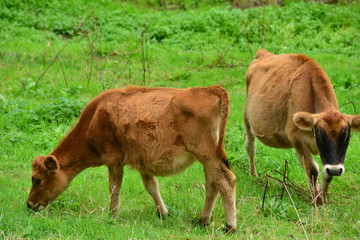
(307, 66)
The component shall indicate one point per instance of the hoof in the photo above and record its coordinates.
(162, 216)
(230, 229)
(203, 222)
(319, 200)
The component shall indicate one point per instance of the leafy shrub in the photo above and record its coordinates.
(29, 116)
(296, 25)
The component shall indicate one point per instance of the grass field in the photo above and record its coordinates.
(55, 57)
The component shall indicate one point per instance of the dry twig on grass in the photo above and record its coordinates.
(294, 189)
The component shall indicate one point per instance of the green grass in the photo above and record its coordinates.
(56, 57)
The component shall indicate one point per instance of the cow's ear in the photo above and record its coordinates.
(354, 123)
(304, 120)
(51, 163)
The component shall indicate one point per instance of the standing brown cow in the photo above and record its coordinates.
(157, 131)
(291, 104)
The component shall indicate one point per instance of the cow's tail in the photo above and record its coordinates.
(225, 106)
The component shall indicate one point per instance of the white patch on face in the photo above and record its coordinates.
(339, 168)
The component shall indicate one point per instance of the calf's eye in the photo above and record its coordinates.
(36, 181)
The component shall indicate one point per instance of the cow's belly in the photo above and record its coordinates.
(268, 122)
(271, 134)
(274, 140)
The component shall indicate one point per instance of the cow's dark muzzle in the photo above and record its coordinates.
(332, 171)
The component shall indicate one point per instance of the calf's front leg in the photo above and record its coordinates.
(115, 179)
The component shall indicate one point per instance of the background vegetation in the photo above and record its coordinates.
(57, 55)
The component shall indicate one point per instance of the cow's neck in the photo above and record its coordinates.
(74, 154)
(325, 105)
(323, 94)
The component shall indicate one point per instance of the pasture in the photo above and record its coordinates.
(55, 57)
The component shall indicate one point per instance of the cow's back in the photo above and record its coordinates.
(277, 87)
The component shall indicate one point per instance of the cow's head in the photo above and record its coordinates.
(332, 134)
(48, 181)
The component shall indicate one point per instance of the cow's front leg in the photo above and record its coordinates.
(116, 171)
(312, 171)
(152, 187)
(325, 184)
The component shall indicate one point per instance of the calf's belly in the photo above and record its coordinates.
(168, 165)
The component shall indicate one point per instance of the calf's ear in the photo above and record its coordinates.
(51, 163)
(354, 123)
(304, 120)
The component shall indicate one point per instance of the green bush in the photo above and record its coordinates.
(57, 55)
(295, 25)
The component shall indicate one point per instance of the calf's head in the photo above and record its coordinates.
(332, 135)
(48, 181)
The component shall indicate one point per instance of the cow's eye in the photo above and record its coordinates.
(36, 181)
(347, 135)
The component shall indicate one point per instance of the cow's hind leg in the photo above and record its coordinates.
(115, 179)
(250, 146)
(220, 178)
(152, 187)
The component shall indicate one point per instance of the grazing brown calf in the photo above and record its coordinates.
(157, 131)
(291, 104)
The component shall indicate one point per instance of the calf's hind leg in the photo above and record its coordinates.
(220, 178)
(211, 191)
(152, 187)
